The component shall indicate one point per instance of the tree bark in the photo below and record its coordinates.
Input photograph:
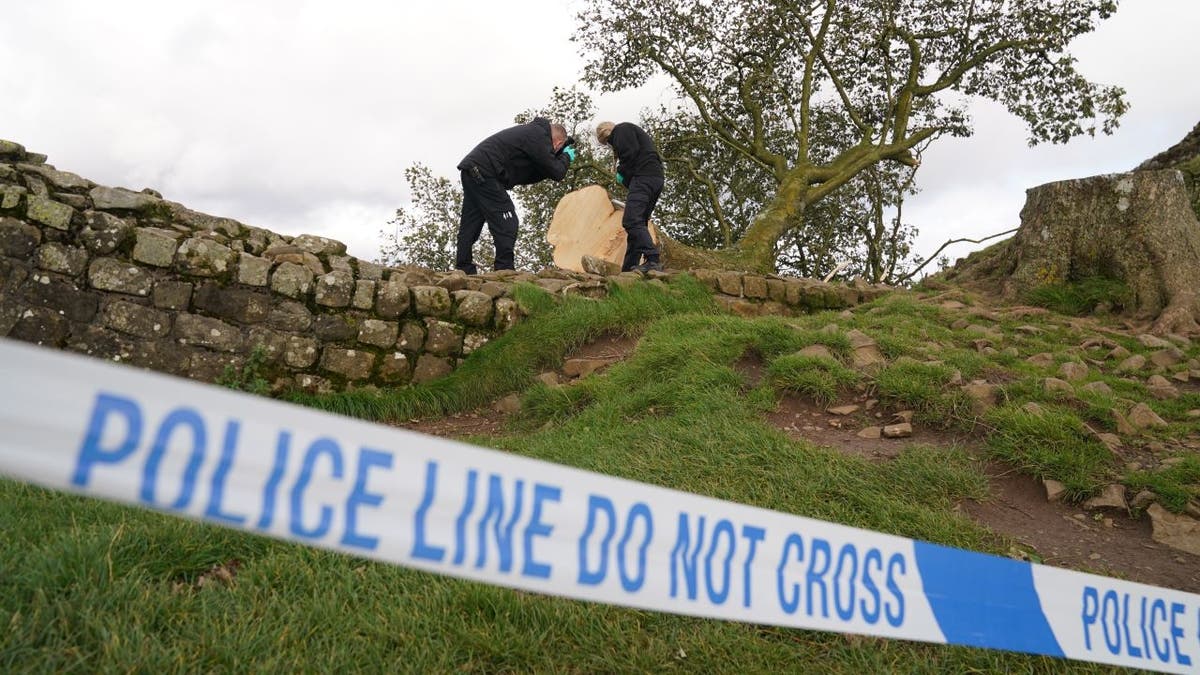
(1137, 227)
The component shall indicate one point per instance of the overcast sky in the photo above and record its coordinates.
(301, 116)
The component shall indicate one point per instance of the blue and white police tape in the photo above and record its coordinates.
(262, 466)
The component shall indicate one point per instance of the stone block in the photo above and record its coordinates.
(10, 196)
(209, 366)
(292, 279)
(18, 239)
(431, 301)
(392, 299)
(49, 212)
(430, 367)
(336, 327)
(64, 298)
(232, 303)
(61, 180)
(443, 338)
(754, 286)
(104, 233)
(110, 274)
(730, 283)
(269, 343)
(155, 246)
(173, 295)
(138, 320)
(412, 336)
(121, 199)
(42, 326)
(252, 270)
(56, 257)
(203, 257)
(364, 294)
(334, 289)
(379, 333)
(319, 245)
(395, 369)
(203, 331)
(290, 316)
(473, 308)
(473, 340)
(507, 313)
(300, 352)
(369, 271)
(351, 364)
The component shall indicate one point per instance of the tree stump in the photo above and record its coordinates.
(586, 222)
(1137, 227)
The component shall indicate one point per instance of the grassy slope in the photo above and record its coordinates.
(87, 586)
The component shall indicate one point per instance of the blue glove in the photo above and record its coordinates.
(569, 151)
(620, 179)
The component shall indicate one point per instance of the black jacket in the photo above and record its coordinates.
(636, 154)
(519, 155)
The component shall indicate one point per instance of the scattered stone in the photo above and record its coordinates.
(819, 351)
(1110, 441)
(1053, 384)
(1165, 358)
(511, 404)
(904, 416)
(1175, 530)
(1098, 388)
(1054, 489)
(548, 378)
(1034, 409)
(843, 410)
(1029, 330)
(1161, 388)
(871, 433)
(983, 396)
(1143, 499)
(865, 352)
(903, 430)
(1152, 341)
(1113, 497)
(1182, 376)
(1118, 353)
(1141, 416)
(1123, 426)
(584, 367)
(1132, 364)
(1042, 360)
(1193, 413)
(1073, 371)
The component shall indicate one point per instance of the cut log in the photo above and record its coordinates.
(587, 222)
(1137, 227)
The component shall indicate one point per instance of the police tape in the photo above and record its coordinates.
(266, 467)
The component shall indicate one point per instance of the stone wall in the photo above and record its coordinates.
(131, 277)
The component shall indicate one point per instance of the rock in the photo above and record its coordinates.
(818, 351)
(334, 289)
(1175, 530)
(204, 258)
(379, 333)
(1161, 388)
(1073, 371)
(473, 308)
(903, 430)
(120, 199)
(318, 246)
(1182, 376)
(905, 416)
(1118, 353)
(203, 331)
(870, 433)
(349, 363)
(1034, 409)
(253, 271)
(865, 354)
(599, 266)
(18, 239)
(511, 404)
(1123, 425)
(1165, 358)
(300, 352)
(104, 233)
(395, 369)
(136, 320)
(548, 378)
(48, 212)
(1110, 441)
(68, 260)
(155, 246)
(443, 338)
(1141, 416)
(983, 396)
(1098, 388)
(1053, 384)
(843, 410)
(292, 279)
(1112, 497)
(584, 367)
(1193, 413)
(431, 301)
(110, 274)
(1042, 360)
(1054, 489)
(1143, 499)
(1152, 341)
(1132, 364)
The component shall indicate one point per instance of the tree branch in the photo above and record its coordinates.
(933, 256)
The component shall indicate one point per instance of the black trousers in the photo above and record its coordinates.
(485, 200)
(643, 196)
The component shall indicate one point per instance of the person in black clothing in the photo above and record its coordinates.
(520, 155)
(639, 169)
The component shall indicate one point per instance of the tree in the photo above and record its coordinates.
(425, 233)
(816, 92)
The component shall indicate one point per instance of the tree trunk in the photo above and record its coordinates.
(1137, 227)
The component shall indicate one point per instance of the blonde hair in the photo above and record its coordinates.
(603, 131)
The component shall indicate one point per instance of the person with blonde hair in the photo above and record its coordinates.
(520, 155)
(640, 170)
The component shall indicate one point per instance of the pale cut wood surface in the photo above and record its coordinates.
(586, 222)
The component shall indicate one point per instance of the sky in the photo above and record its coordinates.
(301, 116)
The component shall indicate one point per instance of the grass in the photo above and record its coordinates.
(88, 586)
(1082, 297)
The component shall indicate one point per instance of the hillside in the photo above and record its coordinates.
(933, 414)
